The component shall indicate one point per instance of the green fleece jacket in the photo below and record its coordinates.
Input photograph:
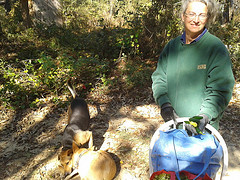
(195, 78)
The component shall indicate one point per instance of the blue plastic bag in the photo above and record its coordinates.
(176, 151)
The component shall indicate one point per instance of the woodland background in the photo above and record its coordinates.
(110, 48)
(44, 42)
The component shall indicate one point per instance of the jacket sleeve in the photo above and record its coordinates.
(219, 84)
(159, 79)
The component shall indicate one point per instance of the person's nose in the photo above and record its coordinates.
(196, 18)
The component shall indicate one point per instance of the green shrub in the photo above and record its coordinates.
(229, 34)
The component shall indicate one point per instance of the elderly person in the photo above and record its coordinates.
(194, 72)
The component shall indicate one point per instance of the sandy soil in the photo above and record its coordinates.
(121, 122)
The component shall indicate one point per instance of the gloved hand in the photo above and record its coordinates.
(168, 113)
(190, 128)
(202, 120)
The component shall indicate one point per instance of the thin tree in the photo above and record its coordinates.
(25, 13)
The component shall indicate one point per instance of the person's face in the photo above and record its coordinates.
(195, 17)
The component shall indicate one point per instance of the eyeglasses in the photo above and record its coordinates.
(201, 16)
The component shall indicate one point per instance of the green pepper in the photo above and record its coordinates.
(199, 131)
(195, 118)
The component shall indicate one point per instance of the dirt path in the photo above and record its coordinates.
(122, 123)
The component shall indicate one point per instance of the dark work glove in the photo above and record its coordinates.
(190, 128)
(201, 120)
(168, 113)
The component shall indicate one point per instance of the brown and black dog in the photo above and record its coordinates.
(77, 130)
(92, 165)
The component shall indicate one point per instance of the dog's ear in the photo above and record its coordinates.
(65, 156)
(74, 147)
(69, 152)
(82, 137)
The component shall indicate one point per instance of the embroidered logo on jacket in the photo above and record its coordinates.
(202, 66)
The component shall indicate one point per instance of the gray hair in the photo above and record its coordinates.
(212, 7)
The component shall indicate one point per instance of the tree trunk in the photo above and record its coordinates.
(47, 12)
(25, 13)
(228, 10)
(6, 4)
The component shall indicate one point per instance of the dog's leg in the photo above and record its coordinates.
(90, 143)
(75, 171)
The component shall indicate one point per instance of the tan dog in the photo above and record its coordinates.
(92, 165)
(77, 129)
(65, 159)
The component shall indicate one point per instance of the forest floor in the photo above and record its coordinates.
(122, 122)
